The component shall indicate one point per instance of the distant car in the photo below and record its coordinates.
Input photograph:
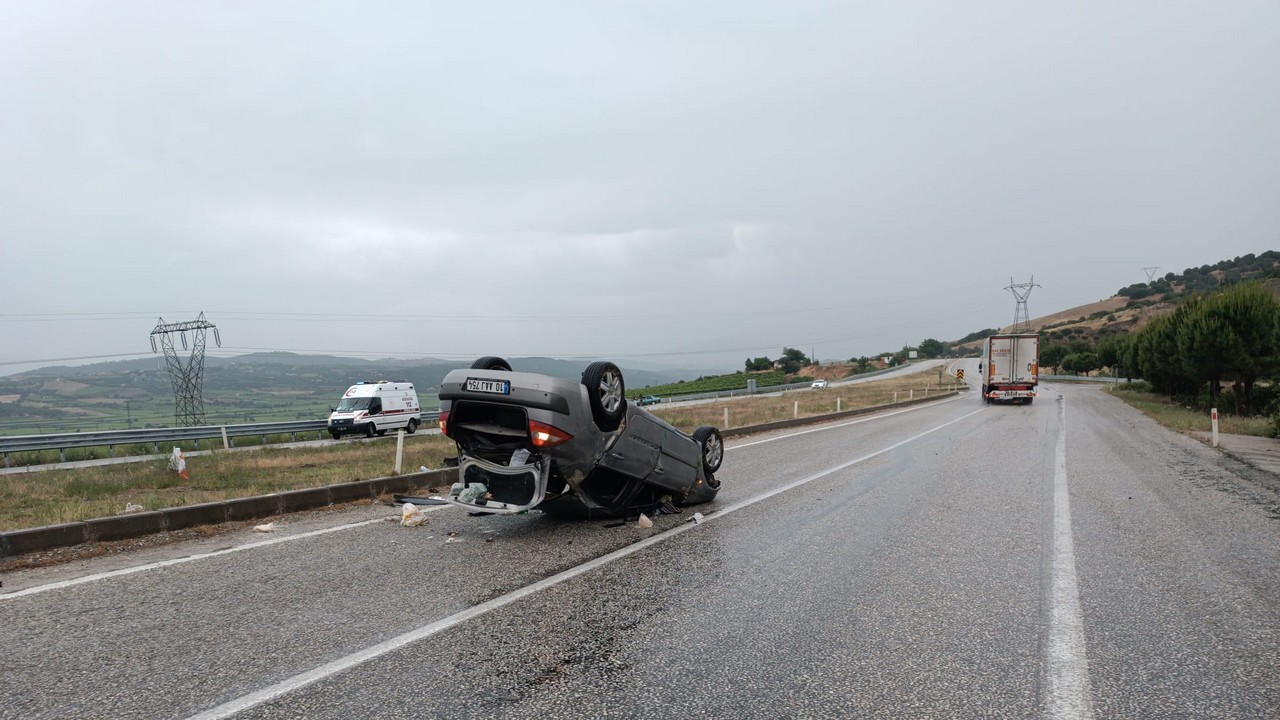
(649, 400)
(569, 448)
(818, 384)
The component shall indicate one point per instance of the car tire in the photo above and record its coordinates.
(335, 435)
(412, 427)
(711, 443)
(607, 394)
(370, 429)
(491, 362)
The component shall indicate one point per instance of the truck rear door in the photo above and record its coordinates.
(1026, 358)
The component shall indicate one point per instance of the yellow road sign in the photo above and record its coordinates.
(960, 374)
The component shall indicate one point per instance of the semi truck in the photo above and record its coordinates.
(1010, 367)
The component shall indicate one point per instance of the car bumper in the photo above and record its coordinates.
(499, 489)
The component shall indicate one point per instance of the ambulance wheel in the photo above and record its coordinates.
(335, 435)
(369, 430)
(606, 393)
(489, 362)
(412, 427)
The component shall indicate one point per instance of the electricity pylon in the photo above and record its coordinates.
(1151, 273)
(1021, 321)
(187, 375)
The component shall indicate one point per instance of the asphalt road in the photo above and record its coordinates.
(1067, 559)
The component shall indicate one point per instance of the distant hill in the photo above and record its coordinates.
(1132, 307)
(257, 387)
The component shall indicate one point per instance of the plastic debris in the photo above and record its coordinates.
(133, 508)
(697, 517)
(268, 527)
(519, 457)
(453, 538)
(422, 468)
(179, 463)
(472, 492)
(412, 516)
(455, 489)
(644, 521)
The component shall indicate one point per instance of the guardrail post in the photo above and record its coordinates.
(226, 443)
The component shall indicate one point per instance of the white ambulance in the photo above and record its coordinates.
(373, 408)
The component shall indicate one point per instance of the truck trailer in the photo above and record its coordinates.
(1010, 367)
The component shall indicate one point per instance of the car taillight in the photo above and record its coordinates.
(444, 423)
(543, 435)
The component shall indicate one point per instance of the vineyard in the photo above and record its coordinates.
(717, 383)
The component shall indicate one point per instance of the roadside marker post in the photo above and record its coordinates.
(399, 449)
(1213, 415)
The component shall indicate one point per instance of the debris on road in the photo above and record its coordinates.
(133, 508)
(644, 521)
(697, 518)
(268, 527)
(412, 516)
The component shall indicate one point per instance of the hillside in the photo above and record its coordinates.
(1132, 307)
(259, 387)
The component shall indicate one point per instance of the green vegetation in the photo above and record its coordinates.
(713, 383)
(1184, 419)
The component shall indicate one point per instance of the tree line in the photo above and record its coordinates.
(1230, 337)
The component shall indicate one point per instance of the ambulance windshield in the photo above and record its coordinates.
(349, 404)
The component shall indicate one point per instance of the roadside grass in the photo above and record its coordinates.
(49, 497)
(1183, 419)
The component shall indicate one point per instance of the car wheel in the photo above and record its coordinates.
(370, 429)
(607, 394)
(412, 427)
(490, 362)
(712, 444)
(335, 435)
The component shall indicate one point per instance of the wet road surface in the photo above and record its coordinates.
(1067, 559)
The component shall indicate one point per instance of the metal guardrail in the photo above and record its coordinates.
(155, 436)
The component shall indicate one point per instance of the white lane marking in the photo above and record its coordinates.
(304, 679)
(188, 558)
(251, 546)
(1069, 691)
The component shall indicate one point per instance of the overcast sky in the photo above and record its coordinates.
(681, 183)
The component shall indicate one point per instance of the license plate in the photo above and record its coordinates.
(496, 387)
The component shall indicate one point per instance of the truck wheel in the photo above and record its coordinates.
(369, 430)
(712, 445)
(412, 427)
(490, 362)
(335, 435)
(606, 393)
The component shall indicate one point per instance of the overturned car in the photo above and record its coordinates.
(571, 449)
